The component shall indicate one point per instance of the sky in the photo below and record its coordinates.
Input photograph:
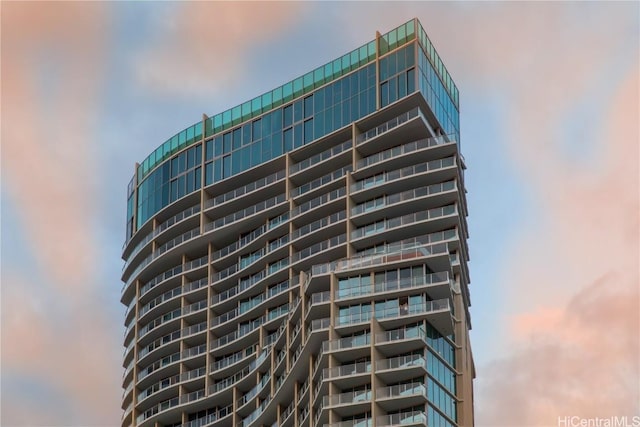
(549, 96)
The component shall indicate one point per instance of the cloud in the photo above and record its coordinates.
(54, 331)
(572, 274)
(567, 79)
(582, 362)
(204, 47)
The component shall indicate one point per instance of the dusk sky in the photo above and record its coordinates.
(549, 96)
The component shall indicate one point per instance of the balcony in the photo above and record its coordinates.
(403, 419)
(401, 396)
(366, 262)
(401, 368)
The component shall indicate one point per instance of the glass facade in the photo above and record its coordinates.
(296, 113)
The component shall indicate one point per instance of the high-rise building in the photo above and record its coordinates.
(301, 259)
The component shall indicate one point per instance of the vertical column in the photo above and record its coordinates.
(202, 175)
(378, 37)
(208, 361)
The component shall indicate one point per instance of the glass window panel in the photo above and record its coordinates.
(411, 81)
(227, 142)
(354, 60)
(393, 90)
(217, 146)
(198, 155)
(297, 87)
(208, 173)
(307, 81)
(337, 67)
(226, 119)
(345, 63)
(384, 68)
(318, 100)
(190, 182)
(226, 166)
(402, 33)
(267, 101)
(288, 139)
(401, 59)
(287, 113)
(190, 158)
(297, 135)
(276, 147)
(266, 125)
(328, 71)
(318, 126)
(308, 131)
(246, 133)
(287, 91)
(362, 55)
(308, 106)
(276, 120)
(297, 111)
(256, 107)
(237, 138)
(236, 115)
(208, 127)
(256, 130)
(384, 94)
(256, 153)
(246, 110)
(318, 77)
(402, 85)
(277, 96)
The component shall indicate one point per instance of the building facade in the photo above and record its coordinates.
(301, 259)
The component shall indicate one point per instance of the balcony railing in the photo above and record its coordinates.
(318, 201)
(404, 283)
(161, 250)
(401, 334)
(401, 419)
(346, 342)
(252, 186)
(347, 398)
(313, 160)
(400, 221)
(163, 226)
(346, 370)
(319, 182)
(319, 247)
(389, 125)
(401, 390)
(404, 149)
(391, 199)
(243, 213)
(318, 224)
(401, 362)
(377, 259)
(411, 243)
(384, 177)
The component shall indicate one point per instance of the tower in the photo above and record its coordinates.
(301, 259)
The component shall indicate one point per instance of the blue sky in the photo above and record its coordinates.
(549, 113)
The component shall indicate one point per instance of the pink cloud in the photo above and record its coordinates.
(54, 330)
(205, 46)
(570, 278)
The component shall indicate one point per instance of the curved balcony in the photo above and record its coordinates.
(399, 179)
(410, 200)
(317, 159)
(402, 226)
(403, 419)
